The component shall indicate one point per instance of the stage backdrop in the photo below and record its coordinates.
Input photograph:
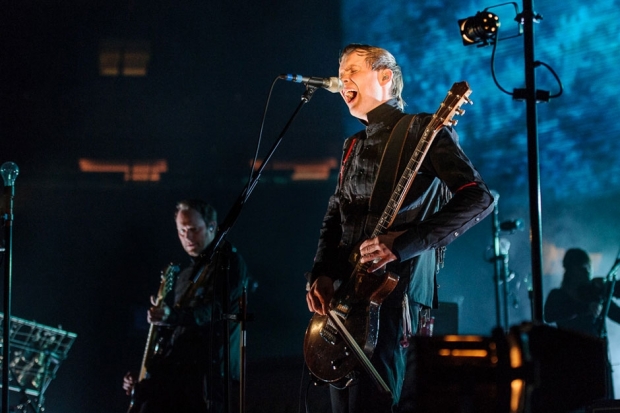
(578, 138)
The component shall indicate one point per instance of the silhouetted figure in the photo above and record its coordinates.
(578, 303)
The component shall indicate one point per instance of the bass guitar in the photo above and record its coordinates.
(344, 340)
(168, 276)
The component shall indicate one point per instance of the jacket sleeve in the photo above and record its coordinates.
(560, 307)
(203, 309)
(471, 200)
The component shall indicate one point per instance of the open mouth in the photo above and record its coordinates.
(349, 95)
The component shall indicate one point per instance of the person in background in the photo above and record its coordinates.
(578, 304)
(186, 374)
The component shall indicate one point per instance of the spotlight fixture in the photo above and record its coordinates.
(481, 28)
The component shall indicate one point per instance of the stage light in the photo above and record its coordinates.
(481, 28)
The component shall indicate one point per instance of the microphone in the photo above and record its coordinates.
(333, 84)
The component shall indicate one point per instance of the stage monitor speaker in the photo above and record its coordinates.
(568, 370)
(533, 368)
(604, 406)
(460, 374)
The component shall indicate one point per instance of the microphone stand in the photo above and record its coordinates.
(610, 287)
(499, 259)
(9, 172)
(242, 347)
(228, 223)
(225, 268)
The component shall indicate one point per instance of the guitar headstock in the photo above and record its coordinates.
(167, 280)
(451, 105)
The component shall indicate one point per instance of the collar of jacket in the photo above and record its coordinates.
(386, 114)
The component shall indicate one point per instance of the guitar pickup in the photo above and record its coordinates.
(342, 310)
(329, 336)
(329, 333)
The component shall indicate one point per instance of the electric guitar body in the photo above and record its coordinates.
(329, 355)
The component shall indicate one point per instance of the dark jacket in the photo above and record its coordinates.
(188, 373)
(447, 197)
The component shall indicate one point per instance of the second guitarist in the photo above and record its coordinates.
(185, 373)
(447, 197)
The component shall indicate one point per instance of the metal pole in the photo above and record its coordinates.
(6, 322)
(496, 263)
(533, 161)
(9, 172)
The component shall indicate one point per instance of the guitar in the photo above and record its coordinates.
(168, 276)
(343, 340)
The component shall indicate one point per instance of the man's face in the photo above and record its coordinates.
(193, 231)
(364, 89)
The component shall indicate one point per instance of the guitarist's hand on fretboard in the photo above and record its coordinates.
(377, 250)
(129, 381)
(158, 315)
(320, 295)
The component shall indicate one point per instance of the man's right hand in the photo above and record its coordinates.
(320, 295)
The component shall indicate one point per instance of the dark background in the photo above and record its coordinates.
(88, 247)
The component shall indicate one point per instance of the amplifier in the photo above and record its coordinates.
(604, 406)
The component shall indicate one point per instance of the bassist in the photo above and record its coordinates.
(447, 197)
(185, 370)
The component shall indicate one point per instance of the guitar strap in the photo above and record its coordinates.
(390, 168)
(345, 157)
(393, 162)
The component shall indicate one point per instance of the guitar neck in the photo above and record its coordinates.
(165, 287)
(404, 183)
(147, 351)
(456, 96)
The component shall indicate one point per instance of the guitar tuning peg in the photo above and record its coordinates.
(453, 122)
(468, 100)
(460, 111)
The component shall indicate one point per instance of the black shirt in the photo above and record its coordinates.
(447, 197)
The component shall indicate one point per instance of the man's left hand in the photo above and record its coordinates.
(158, 315)
(377, 250)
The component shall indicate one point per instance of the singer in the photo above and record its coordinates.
(446, 198)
